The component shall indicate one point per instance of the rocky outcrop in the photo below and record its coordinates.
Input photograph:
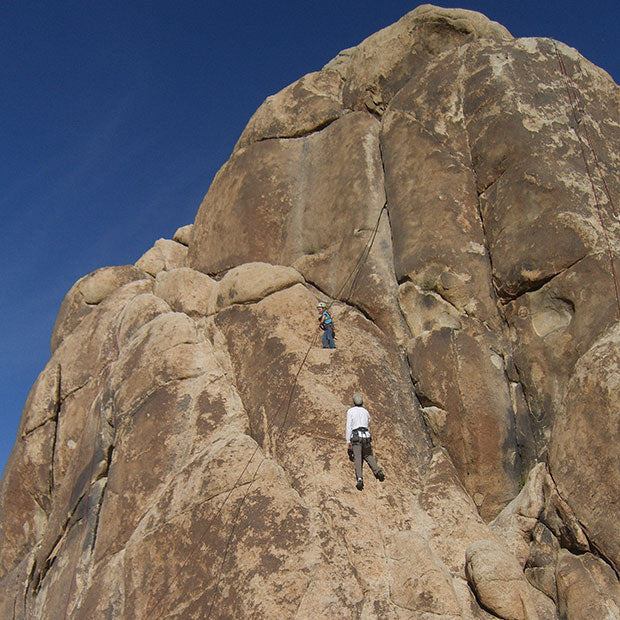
(450, 192)
(585, 461)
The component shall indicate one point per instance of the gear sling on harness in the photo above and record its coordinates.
(359, 434)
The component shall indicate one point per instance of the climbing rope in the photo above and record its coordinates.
(575, 104)
(360, 261)
(278, 435)
(355, 274)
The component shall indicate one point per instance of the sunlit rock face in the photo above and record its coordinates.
(453, 193)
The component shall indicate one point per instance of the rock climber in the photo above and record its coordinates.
(359, 441)
(327, 325)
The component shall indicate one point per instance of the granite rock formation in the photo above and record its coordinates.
(453, 193)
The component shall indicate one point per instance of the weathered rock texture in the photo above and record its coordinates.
(453, 191)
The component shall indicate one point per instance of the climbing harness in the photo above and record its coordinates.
(359, 434)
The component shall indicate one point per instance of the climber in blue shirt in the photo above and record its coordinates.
(327, 325)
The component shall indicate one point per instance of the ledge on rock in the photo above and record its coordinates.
(249, 283)
(305, 106)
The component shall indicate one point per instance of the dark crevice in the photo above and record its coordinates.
(30, 582)
(567, 301)
(425, 401)
(83, 385)
(535, 285)
(444, 298)
(57, 407)
(594, 549)
(101, 475)
(497, 178)
(37, 576)
(82, 515)
(38, 503)
(41, 424)
(419, 398)
(98, 514)
(301, 134)
(485, 236)
(378, 114)
(480, 604)
(353, 304)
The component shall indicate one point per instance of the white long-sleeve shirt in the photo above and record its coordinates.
(356, 417)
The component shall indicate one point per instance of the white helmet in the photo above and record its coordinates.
(358, 400)
(321, 304)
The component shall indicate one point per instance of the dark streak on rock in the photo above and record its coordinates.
(57, 407)
(421, 398)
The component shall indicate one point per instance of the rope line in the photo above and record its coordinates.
(599, 211)
(234, 487)
(360, 261)
(235, 518)
(357, 268)
(572, 91)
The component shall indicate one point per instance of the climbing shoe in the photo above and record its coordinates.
(380, 476)
(360, 484)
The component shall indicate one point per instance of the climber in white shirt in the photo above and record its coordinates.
(359, 441)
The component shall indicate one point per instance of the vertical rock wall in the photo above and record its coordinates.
(453, 192)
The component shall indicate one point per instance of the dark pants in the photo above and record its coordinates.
(363, 450)
(328, 337)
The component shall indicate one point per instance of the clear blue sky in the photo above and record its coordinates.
(116, 115)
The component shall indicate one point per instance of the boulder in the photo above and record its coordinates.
(250, 283)
(500, 586)
(138, 312)
(163, 256)
(183, 235)
(427, 589)
(283, 202)
(377, 68)
(553, 327)
(447, 514)
(516, 522)
(587, 587)
(184, 290)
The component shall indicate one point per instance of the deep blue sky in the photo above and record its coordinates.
(115, 117)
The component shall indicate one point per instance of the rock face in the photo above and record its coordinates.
(452, 192)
